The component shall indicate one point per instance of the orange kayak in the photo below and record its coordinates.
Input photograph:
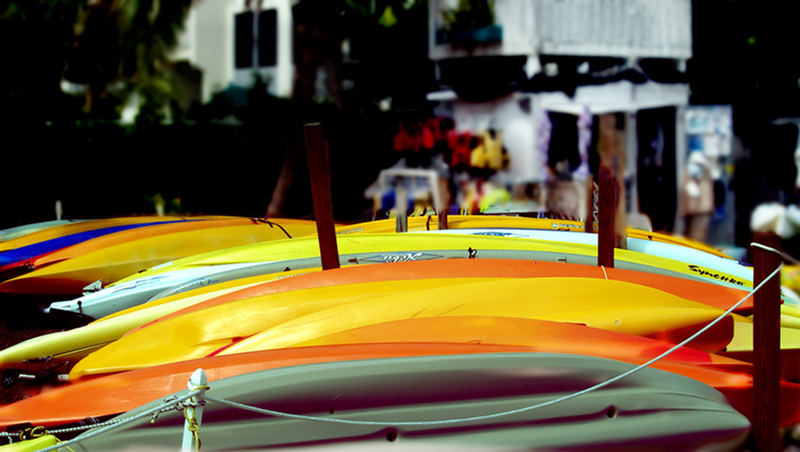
(111, 394)
(62, 346)
(711, 294)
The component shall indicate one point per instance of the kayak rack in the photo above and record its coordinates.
(192, 402)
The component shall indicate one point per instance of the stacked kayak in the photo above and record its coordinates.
(25, 229)
(456, 222)
(109, 257)
(466, 336)
(78, 342)
(370, 248)
(26, 245)
(121, 391)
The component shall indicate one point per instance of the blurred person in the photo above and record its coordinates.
(697, 197)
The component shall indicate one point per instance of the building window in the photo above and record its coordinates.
(256, 39)
(267, 37)
(244, 40)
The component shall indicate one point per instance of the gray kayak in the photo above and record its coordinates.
(452, 402)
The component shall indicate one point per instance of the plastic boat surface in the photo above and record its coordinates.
(651, 409)
(116, 262)
(285, 319)
(78, 342)
(303, 253)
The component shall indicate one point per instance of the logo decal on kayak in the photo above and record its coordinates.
(496, 234)
(399, 257)
(711, 274)
(138, 283)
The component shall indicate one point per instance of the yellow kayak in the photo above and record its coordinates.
(428, 223)
(73, 344)
(78, 342)
(289, 318)
(741, 346)
(89, 225)
(31, 445)
(392, 247)
(119, 261)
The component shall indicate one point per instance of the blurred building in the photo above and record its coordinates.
(532, 77)
(230, 40)
(540, 71)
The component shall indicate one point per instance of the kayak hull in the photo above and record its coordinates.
(652, 409)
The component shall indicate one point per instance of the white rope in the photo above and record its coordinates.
(604, 271)
(508, 412)
(788, 257)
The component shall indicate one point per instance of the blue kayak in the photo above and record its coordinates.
(18, 256)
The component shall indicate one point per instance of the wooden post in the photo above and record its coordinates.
(607, 208)
(766, 345)
(611, 149)
(319, 172)
(442, 216)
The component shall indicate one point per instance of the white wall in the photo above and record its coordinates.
(208, 43)
(628, 28)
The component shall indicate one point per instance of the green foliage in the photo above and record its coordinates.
(123, 46)
(383, 12)
(470, 15)
(107, 49)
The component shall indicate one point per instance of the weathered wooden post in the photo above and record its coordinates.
(607, 208)
(766, 345)
(319, 173)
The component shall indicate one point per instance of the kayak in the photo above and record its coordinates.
(741, 346)
(710, 294)
(25, 229)
(24, 256)
(78, 342)
(124, 391)
(650, 409)
(303, 253)
(31, 444)
(150, 230)
(285, 319)
(49, 350)
(117, 261)
(387, 247)
(731, 377)
(611, 305)
(696, 259)
(429, 223)
(76, 227)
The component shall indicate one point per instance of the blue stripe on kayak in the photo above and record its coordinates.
(23, 253)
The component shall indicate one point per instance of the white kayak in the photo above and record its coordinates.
(303, 253)
(697, 260)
